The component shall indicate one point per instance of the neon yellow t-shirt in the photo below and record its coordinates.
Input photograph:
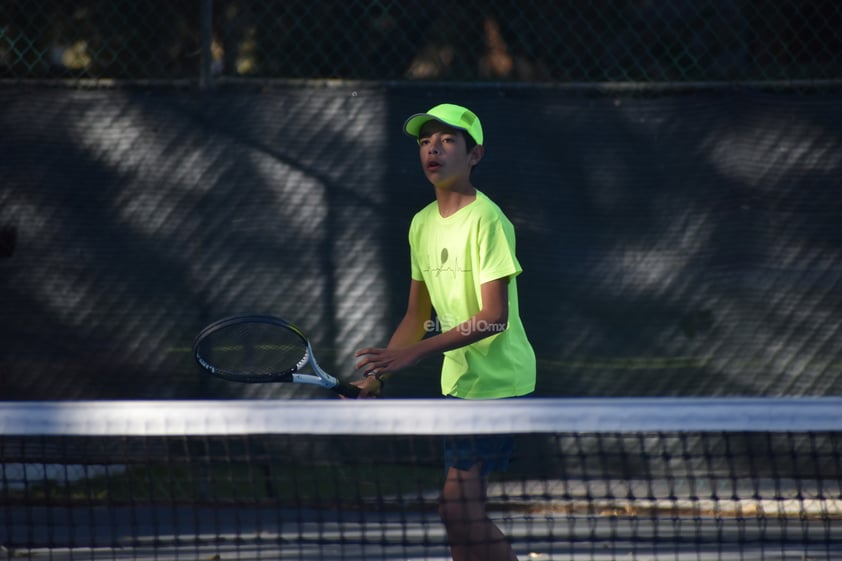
(454, 256)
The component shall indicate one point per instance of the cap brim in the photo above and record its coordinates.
(413, 125)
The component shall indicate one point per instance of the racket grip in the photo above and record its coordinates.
(347, 390)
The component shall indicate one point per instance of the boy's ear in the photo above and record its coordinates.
(477, 152)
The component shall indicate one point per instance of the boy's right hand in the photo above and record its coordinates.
(371, 387)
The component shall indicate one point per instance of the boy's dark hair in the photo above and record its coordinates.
(469, 140)
(470, 143)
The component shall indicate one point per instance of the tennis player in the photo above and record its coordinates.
(463, 268)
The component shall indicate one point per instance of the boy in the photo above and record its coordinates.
(463, 267)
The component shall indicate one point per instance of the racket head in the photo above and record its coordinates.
(252, 349)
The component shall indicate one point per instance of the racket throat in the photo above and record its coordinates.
(304, 359)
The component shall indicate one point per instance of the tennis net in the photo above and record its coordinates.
(645, 479)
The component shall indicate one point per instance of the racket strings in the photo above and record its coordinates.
(254, 349)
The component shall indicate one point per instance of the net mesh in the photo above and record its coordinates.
(589, 479)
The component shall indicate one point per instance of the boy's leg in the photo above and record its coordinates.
(471, 534)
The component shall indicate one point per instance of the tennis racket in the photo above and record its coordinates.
(261, 349)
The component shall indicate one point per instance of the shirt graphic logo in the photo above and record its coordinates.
(447, 265)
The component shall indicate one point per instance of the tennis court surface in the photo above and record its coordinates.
(597, 479)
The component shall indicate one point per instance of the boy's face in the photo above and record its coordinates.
(445, 158)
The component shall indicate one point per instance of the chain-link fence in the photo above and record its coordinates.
(678, 235)
(673, 41)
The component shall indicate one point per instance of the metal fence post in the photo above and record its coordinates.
(205, 40)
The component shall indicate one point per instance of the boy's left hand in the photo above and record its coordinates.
(386, 360)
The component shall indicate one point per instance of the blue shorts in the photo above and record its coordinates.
(493, 450)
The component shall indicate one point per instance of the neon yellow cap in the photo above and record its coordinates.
(454, 116)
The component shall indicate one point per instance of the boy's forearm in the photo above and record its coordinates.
(475, 329)
(490, 320)
(409, 331)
